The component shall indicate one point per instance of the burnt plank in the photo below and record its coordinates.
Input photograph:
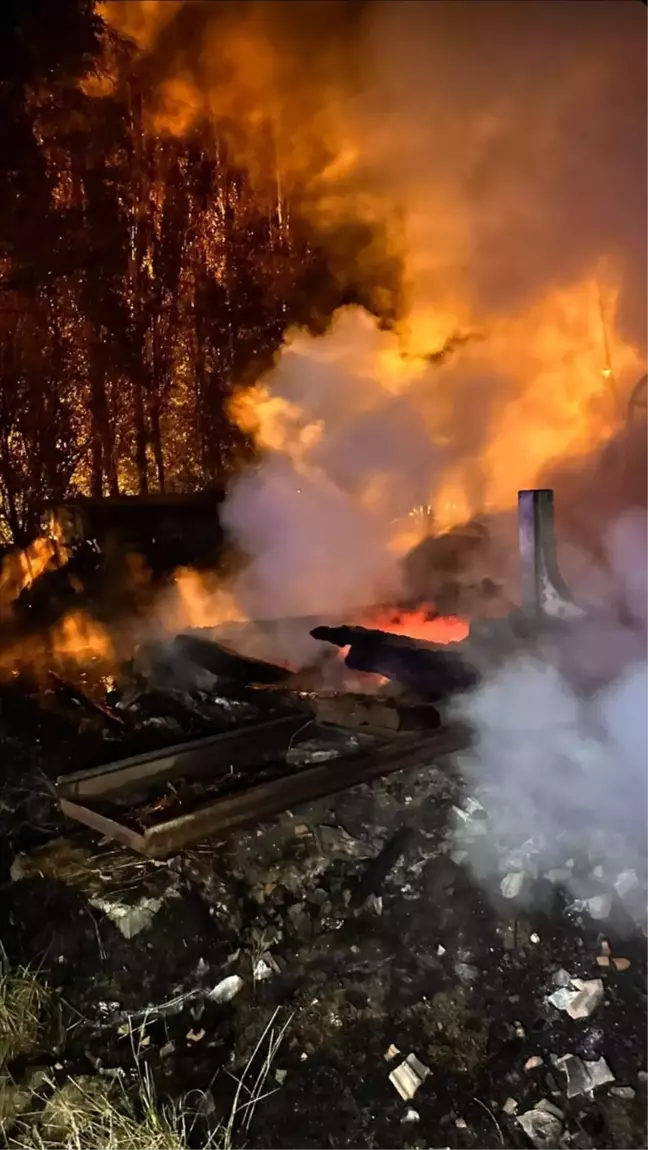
(250, 745)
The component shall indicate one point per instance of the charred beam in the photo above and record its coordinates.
(431, 671)
(225, 815)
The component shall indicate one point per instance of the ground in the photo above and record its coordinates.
(352, 934)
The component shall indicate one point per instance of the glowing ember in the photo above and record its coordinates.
(421, 624)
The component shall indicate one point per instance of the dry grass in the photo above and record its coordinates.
(23, 1005)
(103, 1114)
(106, 1115)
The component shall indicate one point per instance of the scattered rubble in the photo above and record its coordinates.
(409, 1076)
(387, 917)
(542, 1126)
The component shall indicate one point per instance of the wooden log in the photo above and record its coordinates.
(433, 671)
(228, 664)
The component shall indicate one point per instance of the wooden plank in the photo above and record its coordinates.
(223, 816)
(226, 815)
(110, 828)
(243, 746)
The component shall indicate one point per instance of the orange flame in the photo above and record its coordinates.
(21, 568)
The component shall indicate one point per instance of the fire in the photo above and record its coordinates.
(421, 624)
(197, 600)
(545, 394)
(79, 638)
(502, 389)
(21, 568)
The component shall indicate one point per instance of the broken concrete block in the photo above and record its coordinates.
(409, 1076)
(583, 1077)
(599, 1073)
(129, 918)
(589, 996)
(579, 998)
(541, 1128)
(562, 997)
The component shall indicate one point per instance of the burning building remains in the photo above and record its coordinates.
(323, 746)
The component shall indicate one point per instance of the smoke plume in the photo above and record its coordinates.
(561, 738)
(476, 174)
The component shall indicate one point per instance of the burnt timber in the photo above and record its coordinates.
(83, 794)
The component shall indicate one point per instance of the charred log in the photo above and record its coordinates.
(431, 671)
(228, 664)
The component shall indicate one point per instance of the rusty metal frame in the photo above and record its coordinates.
(221, 817)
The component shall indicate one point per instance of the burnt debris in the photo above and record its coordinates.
(222, 876)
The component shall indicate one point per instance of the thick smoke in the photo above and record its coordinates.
(505, 149)
(499, 151)
(560, 758)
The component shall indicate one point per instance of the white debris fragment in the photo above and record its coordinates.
(542, 1128)
(129, 918)
(562, 997)
(468, 808)
(583, 1077)
(598, 906)
(391, 1052)
(590, 995)
(409, 1076)
(458, 857)
(512, 884)
(461, 1124)
(262, 969)
(226, 989)
(510, 1106)
(533, 1062)
(280, 1077)
(561, 977)
(628, 1092)
(440, 950)
(599, 1073)
(579, 997)
(534, 938)
(411, 1115)
(626, 882)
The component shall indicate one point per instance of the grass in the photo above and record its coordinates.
(109, 1113)
(24, 1003)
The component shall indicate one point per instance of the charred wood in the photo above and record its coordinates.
(227, 664)
(358, 711)
(432, 671)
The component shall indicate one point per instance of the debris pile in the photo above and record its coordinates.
(286, 907)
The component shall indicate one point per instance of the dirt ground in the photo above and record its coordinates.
(352, 934)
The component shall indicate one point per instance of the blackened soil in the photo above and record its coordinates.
(394, 945)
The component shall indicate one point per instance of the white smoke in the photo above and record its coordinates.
(562, 740)
(312, 547)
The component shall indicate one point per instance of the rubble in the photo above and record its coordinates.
(578, 998)
(542, 1128)
(384, 915)
(409, 1076)
(583, 1077)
